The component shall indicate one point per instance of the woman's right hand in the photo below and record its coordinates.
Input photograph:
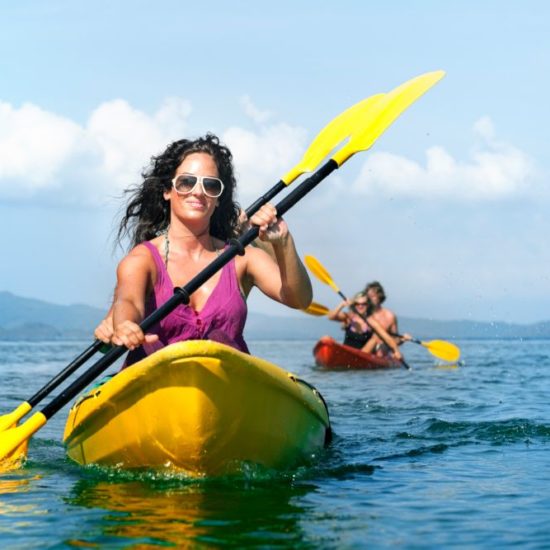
(343, 304)
(130, 335)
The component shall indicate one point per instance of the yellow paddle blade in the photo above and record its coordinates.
(316, 309)
(336, 131)
(443, 350)
(11, 419)
(315, 266)
(13, 442)
(15, 459)
(387, 110)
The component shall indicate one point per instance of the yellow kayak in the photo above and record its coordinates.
(202, 408)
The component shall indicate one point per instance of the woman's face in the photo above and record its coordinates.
(361, 304)
(195, 204)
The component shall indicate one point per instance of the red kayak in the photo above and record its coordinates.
(331, 354)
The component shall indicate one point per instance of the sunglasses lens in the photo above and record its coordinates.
(185, 183)
(213, 187)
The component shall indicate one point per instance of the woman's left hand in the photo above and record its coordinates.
(104, 331)
(271, 229)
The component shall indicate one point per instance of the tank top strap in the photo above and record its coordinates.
(162, 274)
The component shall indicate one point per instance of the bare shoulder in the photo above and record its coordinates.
(388, 315)
(391, 314)
(138, 259)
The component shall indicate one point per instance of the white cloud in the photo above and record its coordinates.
(33, 146)
(127, 138)
(263, 157)
(41, 151)
(495, 170)
(485, 129)
(253, 112)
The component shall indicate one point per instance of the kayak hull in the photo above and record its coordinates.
(329, 353)
(199, 407)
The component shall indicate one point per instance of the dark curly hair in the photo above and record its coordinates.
(147, 213)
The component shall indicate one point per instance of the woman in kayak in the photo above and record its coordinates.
(179, 220)
(361, 329)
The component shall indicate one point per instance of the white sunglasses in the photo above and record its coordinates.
(185, 183)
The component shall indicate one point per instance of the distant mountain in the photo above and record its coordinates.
(260, 327)
(31, 319)
(424, 328)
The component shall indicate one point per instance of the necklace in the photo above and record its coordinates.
(167, 246)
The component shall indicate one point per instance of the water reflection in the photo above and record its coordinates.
(13, 503)
(180, 513)
(447, 366)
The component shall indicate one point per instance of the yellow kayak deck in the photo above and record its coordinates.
(199, 407)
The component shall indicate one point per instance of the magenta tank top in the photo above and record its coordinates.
(222, 317)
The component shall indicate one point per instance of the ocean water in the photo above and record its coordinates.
(436, 457)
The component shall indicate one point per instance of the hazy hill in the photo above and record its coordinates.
(28, 318)
(265, 327)
(31, 319)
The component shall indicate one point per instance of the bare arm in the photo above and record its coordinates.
(394, 329)
(282, 277)
(134, 278)
(337, 314)
(383, 334)
(244, 225)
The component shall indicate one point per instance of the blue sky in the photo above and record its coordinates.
(449, 209)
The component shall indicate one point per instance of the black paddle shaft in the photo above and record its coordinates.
(414, 340)
(257, 204)
(182, 294)
(75, 364)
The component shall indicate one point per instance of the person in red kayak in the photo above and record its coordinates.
(179, 219)
(362, 330)
(376, 296)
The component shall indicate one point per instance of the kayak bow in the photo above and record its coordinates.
(199, 407)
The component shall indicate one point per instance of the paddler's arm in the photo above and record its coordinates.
(395, 330)
(337, 314)
(134, 276)
(283, 278)
(270, 249)
(382, 333)
(244, 225)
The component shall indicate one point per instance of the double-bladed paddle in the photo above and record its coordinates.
(328, 138)
(13, 442)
